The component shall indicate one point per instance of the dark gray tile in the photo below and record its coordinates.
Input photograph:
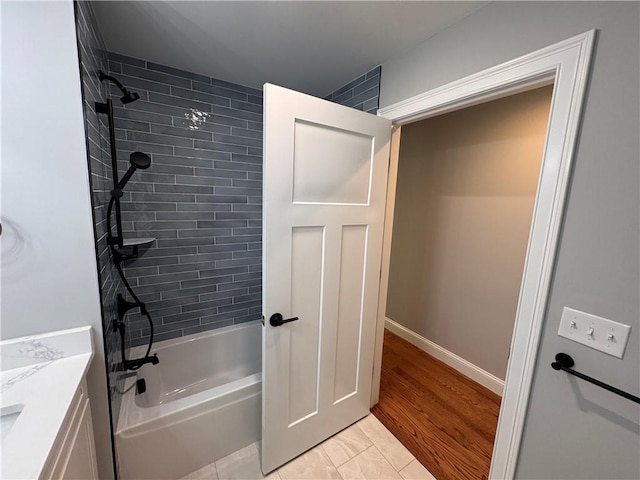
(183, 189)
(179, 102)
(199, 96)
(137, 84)
(248, 276)
(208, 154)
(243, 132)
(177, 72)
(185, 242)
(245, 106)
(238, 239)
(248, 253)
(162, 197)
(370, 105)
(155, 76)
(204, 181)
(246, 183)
(181, 132)
(234, 113)
(375, 71)
(219, 172)
(167, 278)
(207, 305)
(204, 127)
(220, 91)
(170, 225)
(222, 264)
(191, 290)
(222, 248)
(134, 125)
(144, 207)
(204, 232)
(348, 95)
(230, 294)
(227, 120)
(237, 215)
(233, 86)
(200, 258)
(349, 86)
(247, 318)
(159, 139)
(237, 191)
(221, 198)
(219, 146)
(247, 167)
(221, 224)
(116, 57)
(238, 306)
(370, 84)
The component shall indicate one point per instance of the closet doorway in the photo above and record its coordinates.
(465, 195)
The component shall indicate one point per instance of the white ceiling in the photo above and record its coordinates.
(314, 47)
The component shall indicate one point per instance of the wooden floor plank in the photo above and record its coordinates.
(446, 420)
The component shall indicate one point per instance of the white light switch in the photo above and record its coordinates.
(595, 332)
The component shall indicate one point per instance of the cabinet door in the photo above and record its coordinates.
(81, 463)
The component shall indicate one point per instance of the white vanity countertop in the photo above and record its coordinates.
(40, 374)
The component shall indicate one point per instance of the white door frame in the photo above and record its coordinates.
(566, 66)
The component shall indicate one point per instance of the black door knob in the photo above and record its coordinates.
(276, 320)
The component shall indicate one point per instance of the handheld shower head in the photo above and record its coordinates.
(127, 96)
(138, 160)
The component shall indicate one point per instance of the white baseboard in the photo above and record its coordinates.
(475, 373)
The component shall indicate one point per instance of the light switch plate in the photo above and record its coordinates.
(593, 331)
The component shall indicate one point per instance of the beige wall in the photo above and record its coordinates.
(466, 189)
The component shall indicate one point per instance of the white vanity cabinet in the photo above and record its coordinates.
(73, 455)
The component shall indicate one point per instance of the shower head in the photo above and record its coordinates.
(138, 160)
(127, 96)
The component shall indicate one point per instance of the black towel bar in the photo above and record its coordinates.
(565, 362)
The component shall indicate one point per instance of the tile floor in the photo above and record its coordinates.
(364, 451)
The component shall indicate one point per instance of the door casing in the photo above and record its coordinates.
(566, 66)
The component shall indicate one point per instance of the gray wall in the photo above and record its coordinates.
(201, 198)
(49, 278)
(573, 429)
(466, 188)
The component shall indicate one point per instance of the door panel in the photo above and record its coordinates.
(350, 312)
(325, 179)
(307, 250)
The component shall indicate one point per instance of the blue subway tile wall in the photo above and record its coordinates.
(93, 57)
(201, 198)
(362, 93)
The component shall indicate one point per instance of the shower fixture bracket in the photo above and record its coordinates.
(124, 306)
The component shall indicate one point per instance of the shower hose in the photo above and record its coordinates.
(140, 304)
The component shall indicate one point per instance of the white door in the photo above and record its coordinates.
(325, 181)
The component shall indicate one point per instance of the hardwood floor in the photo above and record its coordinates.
(446, 420)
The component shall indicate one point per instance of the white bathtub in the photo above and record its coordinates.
(202, 403)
